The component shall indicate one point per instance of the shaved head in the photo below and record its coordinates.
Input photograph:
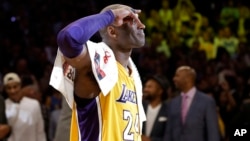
(113, 6)
(110, 7)
(190, 72)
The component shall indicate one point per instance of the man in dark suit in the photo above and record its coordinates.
(155, 107)
(191, 115)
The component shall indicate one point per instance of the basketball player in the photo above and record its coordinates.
(115, 116)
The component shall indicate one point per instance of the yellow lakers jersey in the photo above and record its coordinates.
(113, 117)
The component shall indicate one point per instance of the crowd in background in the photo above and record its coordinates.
(210, 36)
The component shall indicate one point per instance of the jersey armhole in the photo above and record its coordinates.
(82, 102)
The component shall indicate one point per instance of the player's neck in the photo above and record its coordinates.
(155, 102)
(122, 58)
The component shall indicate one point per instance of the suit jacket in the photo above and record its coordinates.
(159, 127)
(201, 121)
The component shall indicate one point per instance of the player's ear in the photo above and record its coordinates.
(111, 31)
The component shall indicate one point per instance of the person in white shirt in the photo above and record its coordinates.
(23, 113)
(155, 106)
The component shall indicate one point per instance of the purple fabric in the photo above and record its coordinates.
(88, 121)
(71, 39)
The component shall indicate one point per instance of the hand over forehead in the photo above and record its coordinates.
(122, 15)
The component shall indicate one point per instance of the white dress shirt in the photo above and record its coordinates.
(151, 116)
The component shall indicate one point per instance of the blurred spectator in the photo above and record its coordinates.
(183, 12)
(228, 41)
(185, 33)
(206, 26)
(219, 35)
(174, 39)
(54, 117)
(25, 120)
(207, 45)
(229, 100)
(44, 80)
(243, 22)
(240, 121)
(192, 115)
(153, 22)
(54, 100)
(155, 106)
(31, 90)
(62, 132)
(166, 15)
(229, 13)
(223, 60)
(158, 42)
(221, 123)
(22, 66)
(195, 24)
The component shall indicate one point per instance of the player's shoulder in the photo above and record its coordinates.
(204, 97)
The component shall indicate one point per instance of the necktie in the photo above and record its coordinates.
(184, 107)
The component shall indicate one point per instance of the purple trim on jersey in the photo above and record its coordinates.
(71, 38)
(88, 121)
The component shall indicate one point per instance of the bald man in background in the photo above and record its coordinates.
(191, 115)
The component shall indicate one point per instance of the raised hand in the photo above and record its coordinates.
(126, 15)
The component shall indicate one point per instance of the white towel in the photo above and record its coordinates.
(106, 75)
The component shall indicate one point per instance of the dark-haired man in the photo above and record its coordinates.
(155, 106)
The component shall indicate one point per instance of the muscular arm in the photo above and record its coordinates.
(72, 43)
(72, 39)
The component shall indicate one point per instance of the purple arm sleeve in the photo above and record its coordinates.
(71, 38)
